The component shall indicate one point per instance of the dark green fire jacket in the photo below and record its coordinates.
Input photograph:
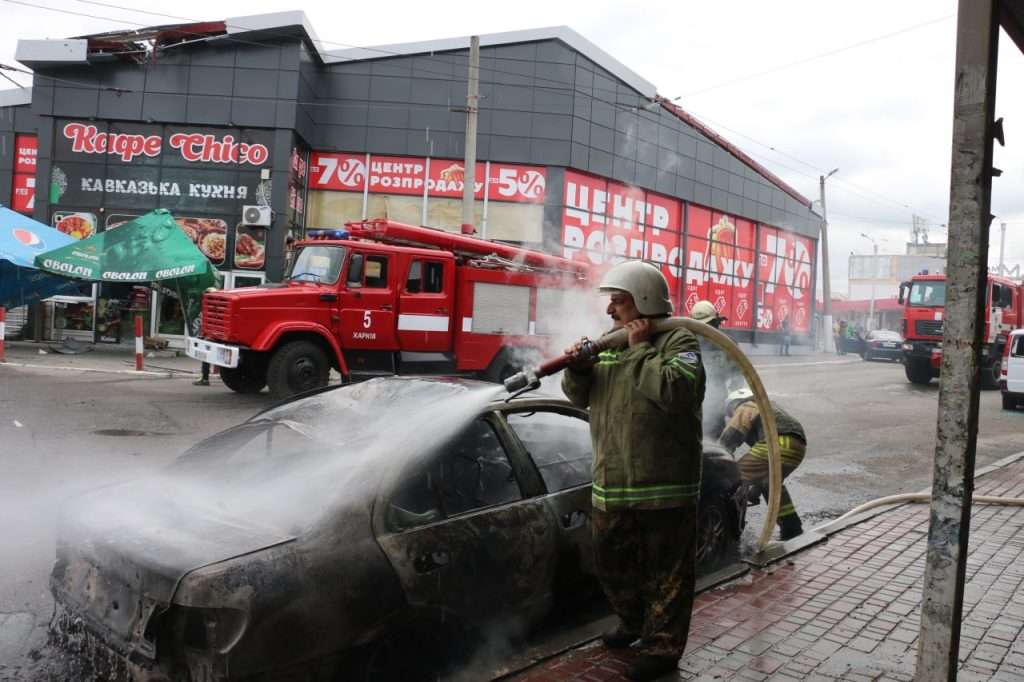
(645, 422)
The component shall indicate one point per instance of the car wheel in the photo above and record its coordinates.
(713, 535)
(918, 371)
(297, 367)
(244, 379)
(1009, 402)
(412, 653)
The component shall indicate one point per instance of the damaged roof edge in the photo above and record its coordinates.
(37, 53)
(562, 33)
(15, 97)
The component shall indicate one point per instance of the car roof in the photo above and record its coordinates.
(438, 387)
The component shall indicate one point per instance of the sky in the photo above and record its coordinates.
(802, 86)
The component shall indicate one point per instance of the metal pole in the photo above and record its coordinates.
(874, 276)
(472, 108)
(826, 285)
(956, 440)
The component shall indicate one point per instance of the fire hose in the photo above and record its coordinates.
(529, 379)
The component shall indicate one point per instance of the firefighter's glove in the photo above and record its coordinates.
(582, 358)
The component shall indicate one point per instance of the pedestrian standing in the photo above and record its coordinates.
(204, 369)
(745, 426)
(785, 338)
(645, 411)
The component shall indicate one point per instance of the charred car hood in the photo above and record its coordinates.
(122, 550)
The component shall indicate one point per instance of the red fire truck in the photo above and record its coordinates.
(385, 298)
(923, 299)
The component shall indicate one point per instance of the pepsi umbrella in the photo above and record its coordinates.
(21, 240)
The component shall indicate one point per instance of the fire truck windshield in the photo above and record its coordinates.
(929, 294)
(319, 263)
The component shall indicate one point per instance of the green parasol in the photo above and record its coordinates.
(150, 250)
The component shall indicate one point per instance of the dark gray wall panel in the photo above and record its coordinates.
(255, 83)
(119, 107)
(254, 113)
(208, 110)
(384, 141)
(164, 108)
(511, 149)
(211, 80)
(214, 54)
(80, 102)
(550, 152)
(168, 78)
(552, 126)
(624, 169)
(389, 89)
(385, 116)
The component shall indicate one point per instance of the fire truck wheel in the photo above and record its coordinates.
(990, 374)
(297, 367)
(243, 379)
(918, 371)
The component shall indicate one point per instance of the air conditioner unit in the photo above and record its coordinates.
(256, 215)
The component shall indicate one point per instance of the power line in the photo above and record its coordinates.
(820, 56)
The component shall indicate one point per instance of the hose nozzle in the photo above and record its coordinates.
(522, 380)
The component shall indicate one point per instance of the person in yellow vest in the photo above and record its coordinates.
(744, 426)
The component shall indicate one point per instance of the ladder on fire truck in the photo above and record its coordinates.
(477, 252)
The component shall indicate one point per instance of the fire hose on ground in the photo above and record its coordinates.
(530, 377)
(914, 497)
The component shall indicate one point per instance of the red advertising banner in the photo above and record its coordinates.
(409, 175)
(26, 148)
(720, 265)
(23, 196)
(23, 185)
(605, 222)
(785, 273)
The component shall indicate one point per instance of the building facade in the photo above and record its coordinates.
(251, 133)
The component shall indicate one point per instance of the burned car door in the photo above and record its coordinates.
(559, 446)
(462, 537)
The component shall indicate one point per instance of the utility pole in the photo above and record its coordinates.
(826, 285)
(472, 109)
(874, 276)
(956, 440)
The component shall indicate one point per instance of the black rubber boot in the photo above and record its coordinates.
(647, 667)
(618, 638)
(790, 527)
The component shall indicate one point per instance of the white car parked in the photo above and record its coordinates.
(1011, 380)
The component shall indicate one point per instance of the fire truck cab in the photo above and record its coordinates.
(924, 301)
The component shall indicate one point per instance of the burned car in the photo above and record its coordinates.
(380, 530)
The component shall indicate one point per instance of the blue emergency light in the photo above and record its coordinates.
(328, 234)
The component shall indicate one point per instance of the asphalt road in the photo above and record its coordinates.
(870, 432)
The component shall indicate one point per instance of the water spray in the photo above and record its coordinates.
(529, 379)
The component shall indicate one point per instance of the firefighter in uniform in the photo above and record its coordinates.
(744, 426)
(645, 424)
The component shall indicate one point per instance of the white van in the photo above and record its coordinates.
(1011, 379)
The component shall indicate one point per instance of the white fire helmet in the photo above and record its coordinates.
(641, 280)
(703, 311)
(740, 395)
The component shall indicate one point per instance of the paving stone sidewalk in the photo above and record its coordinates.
(849, 609)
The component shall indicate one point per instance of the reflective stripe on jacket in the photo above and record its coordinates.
(645, 422)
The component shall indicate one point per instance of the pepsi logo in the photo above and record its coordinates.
(29, 239)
